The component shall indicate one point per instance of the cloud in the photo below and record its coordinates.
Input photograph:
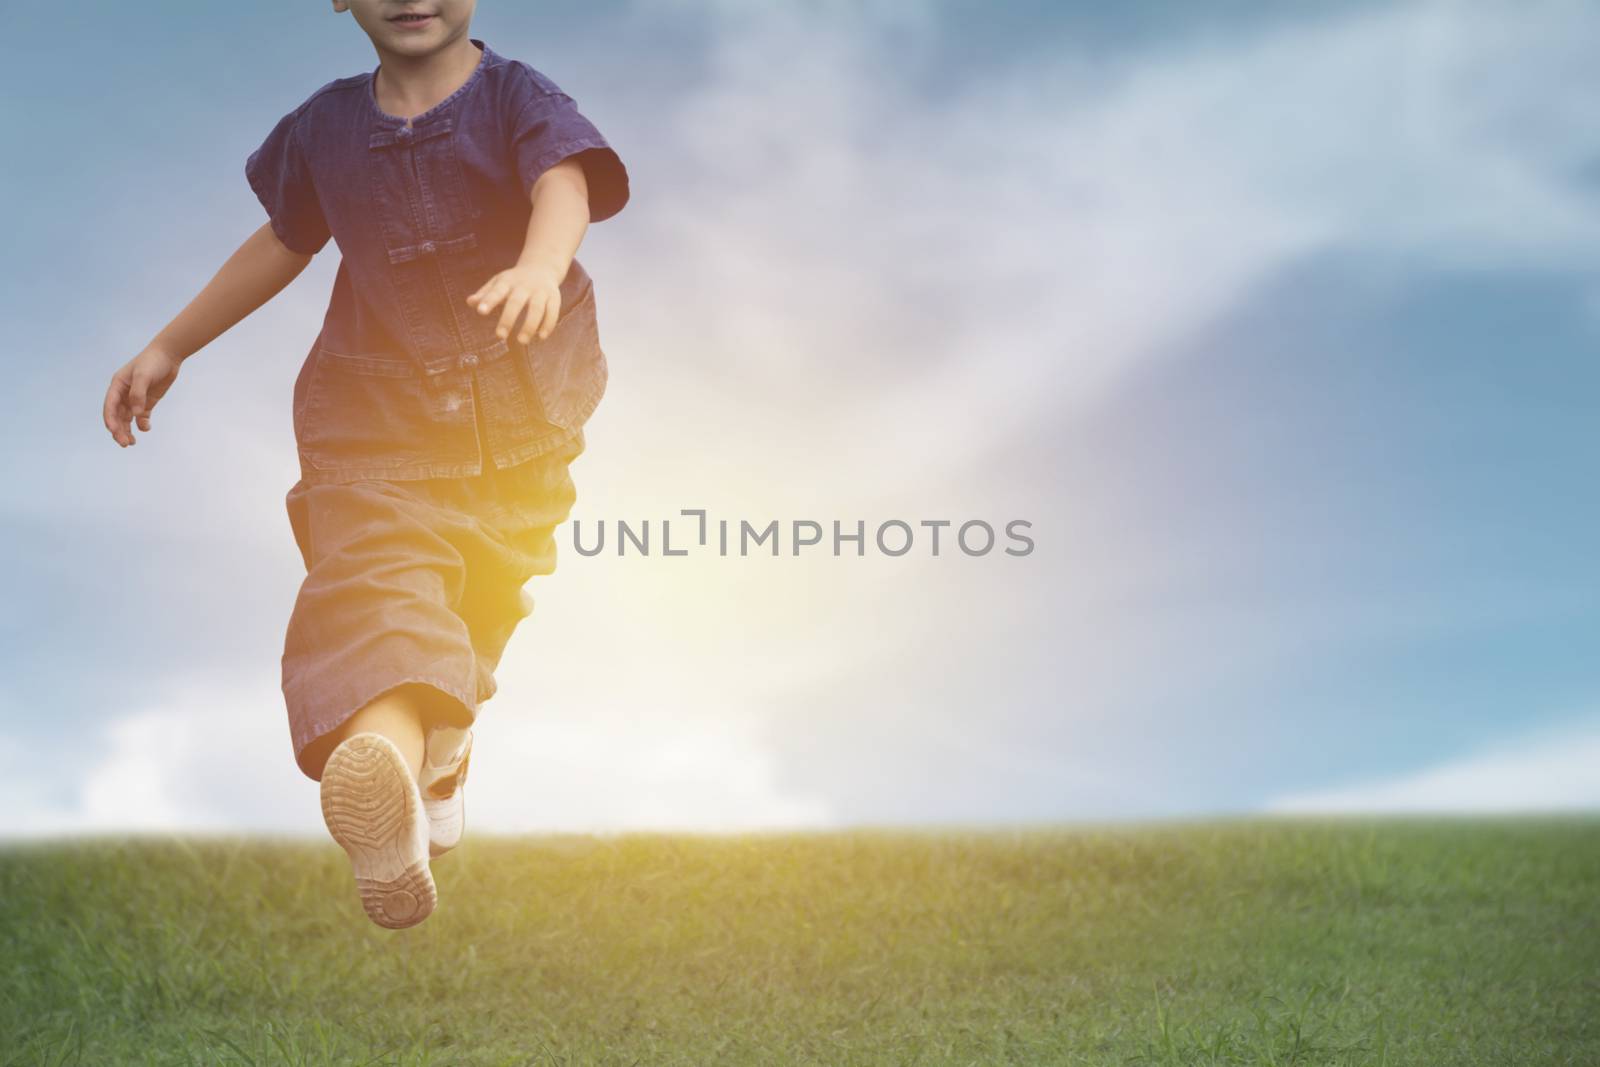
(209, 757)
(1554, 772)
(199, 755)
(869, 261)
(877, 292)
(671, 772)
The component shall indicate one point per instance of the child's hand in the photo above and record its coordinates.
(134, 390)
(534, 289)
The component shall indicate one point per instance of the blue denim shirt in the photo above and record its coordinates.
(405, 377)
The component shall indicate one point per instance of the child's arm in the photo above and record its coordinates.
(253, 275)
(555, 229)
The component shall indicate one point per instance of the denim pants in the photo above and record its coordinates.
(415, 581)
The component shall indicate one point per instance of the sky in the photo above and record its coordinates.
(1276, 323)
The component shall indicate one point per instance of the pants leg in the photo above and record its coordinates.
(414, 581)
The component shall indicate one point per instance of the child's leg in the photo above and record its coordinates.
(401, 715)
(375, 643)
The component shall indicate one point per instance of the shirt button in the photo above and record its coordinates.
(469, 360)
(427, 246)
(404, 131)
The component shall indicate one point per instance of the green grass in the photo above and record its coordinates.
(1383, 943)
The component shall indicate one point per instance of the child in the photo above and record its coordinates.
(435, 416)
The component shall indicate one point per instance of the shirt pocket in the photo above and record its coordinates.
(568, 368)
(374, 413)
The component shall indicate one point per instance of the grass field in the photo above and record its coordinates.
(1440, 943)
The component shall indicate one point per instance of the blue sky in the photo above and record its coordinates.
(1281, 332)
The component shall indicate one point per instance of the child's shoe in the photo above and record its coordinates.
(374, 812)
(442, 783)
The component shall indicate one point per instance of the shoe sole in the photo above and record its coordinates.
(374, 812)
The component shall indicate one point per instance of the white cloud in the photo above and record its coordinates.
(1555, 772)
(662, 773)
(201, 756)
(845, 250)
(873, 294)
(216, 757)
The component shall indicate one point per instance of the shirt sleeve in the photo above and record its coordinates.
(550, 128)
(281, 177)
